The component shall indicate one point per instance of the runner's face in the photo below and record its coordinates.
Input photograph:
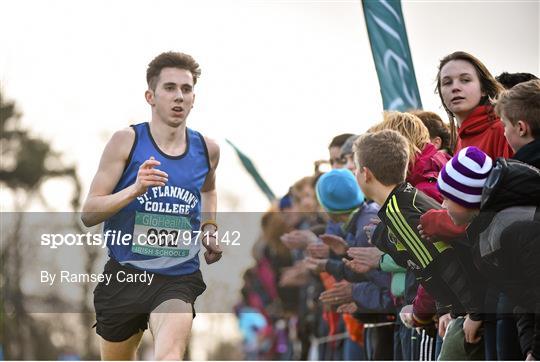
(460, 87)
(173, 97)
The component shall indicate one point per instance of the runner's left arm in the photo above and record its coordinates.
(208, 190)
(209, 203)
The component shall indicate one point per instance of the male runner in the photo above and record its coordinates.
(155, 179)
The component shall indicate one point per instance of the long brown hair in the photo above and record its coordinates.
(274, 225)
(489, 85)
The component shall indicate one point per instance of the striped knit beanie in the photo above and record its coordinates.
(463, 177)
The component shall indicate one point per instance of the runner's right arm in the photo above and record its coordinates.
(101, 203)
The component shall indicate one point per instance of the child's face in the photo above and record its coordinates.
(460, 87)
(460, 215)
(350, 162)
(338, 217)
(516, 135)
(335, 157)
(306, 201)
(360, 173)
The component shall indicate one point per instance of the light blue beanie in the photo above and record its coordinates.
(338, 191)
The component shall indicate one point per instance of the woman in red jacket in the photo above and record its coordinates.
(466, 87)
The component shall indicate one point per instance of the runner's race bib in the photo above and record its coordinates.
(163, 236)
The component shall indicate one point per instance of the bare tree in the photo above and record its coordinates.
(26, 162)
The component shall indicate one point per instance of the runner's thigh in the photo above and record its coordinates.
(170, 324)
(120, 351)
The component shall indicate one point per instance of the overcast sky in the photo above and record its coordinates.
(279, 79)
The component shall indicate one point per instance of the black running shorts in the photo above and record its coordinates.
(123, 306)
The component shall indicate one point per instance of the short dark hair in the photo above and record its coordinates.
(340, 140)
(171, 60)
(509, 80)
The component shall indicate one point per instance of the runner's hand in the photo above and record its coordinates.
(211, 257)
(213, 250)
(148, 176)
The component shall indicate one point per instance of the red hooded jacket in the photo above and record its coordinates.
(488, 135)
(427, 165)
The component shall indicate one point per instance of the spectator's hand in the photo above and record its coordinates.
(406, 316)
(443, 323)
(316, 265)
(336, 243)
(294, 276)
(341, 293)
(349, 308)
(369, 256)
(437, 224)
(356, 266)
(423, 234)
(298, 239)
(370, 228)
(318, 250)
(470, 328)
(428, 222)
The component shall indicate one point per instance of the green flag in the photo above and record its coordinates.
(250, 168)
(391, 53)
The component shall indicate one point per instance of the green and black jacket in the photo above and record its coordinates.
(437, 266)
(401, 214)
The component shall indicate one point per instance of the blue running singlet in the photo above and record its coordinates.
(158, 231)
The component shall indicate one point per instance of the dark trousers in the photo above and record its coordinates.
(378, 341)
(402, 342)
